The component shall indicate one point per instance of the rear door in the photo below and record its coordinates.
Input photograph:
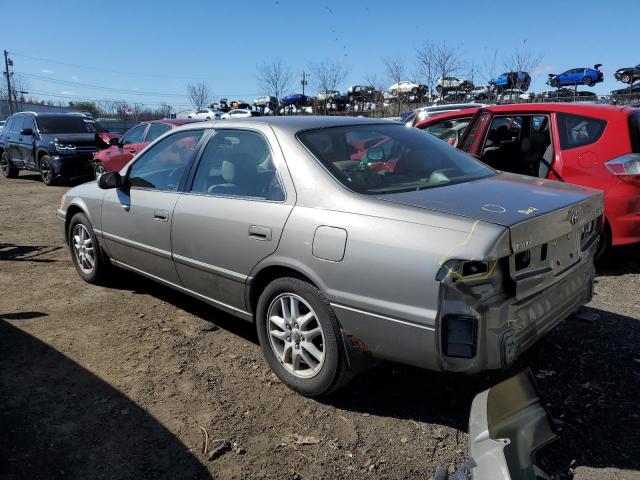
(10, 131)
(233, 214)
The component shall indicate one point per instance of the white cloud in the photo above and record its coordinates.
(46, 70)
(66, 92)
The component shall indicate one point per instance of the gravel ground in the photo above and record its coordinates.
(128, 380)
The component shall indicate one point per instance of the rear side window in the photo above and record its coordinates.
(578, 131)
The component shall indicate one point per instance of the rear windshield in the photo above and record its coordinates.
(62, 124)
(379, 159)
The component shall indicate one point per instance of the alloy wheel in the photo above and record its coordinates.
(45, 170)
(295, 335)
(4, 163)
(83, 249)
(100, 170)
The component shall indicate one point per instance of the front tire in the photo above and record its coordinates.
(85, 251)
(99, 169)
(588, 81)
(8, 170)
(625, 78)
(46, 171)
(300, 337)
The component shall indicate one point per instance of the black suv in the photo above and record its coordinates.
(58, 145)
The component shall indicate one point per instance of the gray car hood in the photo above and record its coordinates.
(535, 210)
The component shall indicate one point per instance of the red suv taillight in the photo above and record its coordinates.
(626, 167)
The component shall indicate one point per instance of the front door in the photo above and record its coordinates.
(26, 144)
(232, 216)
(136, 219)
(130, 144)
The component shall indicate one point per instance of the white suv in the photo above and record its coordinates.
(404, 87)
(453, 83)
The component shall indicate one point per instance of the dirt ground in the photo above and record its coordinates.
(123, 381)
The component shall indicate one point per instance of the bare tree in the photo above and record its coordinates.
(426, 66)
(521, 60)
(446, 61)
(199, 94)
(490, 66)
(274, 79)
(327, 75)
(395, 69)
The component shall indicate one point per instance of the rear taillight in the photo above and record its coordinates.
(626, 167)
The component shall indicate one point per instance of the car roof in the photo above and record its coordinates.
(467, 112)
(176, 122)
(293, 124)
(563, 107)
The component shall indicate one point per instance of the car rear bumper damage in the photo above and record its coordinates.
(507, 426)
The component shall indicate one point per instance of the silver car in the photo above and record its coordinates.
(344, 239)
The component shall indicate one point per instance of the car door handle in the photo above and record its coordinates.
(132, 150)
(260, 233)
(161, 215)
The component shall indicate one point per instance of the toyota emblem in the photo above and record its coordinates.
(574, 216)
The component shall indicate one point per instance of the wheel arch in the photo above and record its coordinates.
(39, 154)
(74, 208)
(268, 273)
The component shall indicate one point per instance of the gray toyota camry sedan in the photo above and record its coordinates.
(344, 239)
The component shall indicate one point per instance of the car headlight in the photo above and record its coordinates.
(64, 146)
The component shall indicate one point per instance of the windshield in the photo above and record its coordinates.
(62, 124)
(379, 159)
(95, 127)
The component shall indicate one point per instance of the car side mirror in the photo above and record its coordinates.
(114, 142)
(110, 180)
(26, 132)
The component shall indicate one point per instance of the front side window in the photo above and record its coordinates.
(578, 131)
(238, 163)
(27, 122)
(163, 165)
(9, 125)
(155, 130)
(134, 135)
(381, 159)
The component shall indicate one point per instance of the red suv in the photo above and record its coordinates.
(592, 145)
(123, 149)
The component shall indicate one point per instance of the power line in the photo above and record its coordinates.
(98, 87)
(43, 59)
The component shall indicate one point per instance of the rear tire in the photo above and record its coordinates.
(46, 171)
(8, 170)
(308, 332)
(625, 78)
(85, 250)
(588, 81)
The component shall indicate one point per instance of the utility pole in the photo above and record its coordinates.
(304, 81)
(8, 62)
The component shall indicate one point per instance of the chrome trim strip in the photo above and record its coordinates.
(140, 246)
(190, 262)
(371, 314)
(185, 290)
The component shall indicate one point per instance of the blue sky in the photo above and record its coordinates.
(161, 46)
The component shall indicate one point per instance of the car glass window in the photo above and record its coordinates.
(162, 166)
(155, 130)
(577, 131)
(238, 163)
(471, 134)
(27, 122)
(134, 135)
(437, 128)
(62, 124)
(382, 159)
(9, 125)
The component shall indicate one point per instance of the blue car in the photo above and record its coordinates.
(296, 99)
(511, 80)
(577, 76)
